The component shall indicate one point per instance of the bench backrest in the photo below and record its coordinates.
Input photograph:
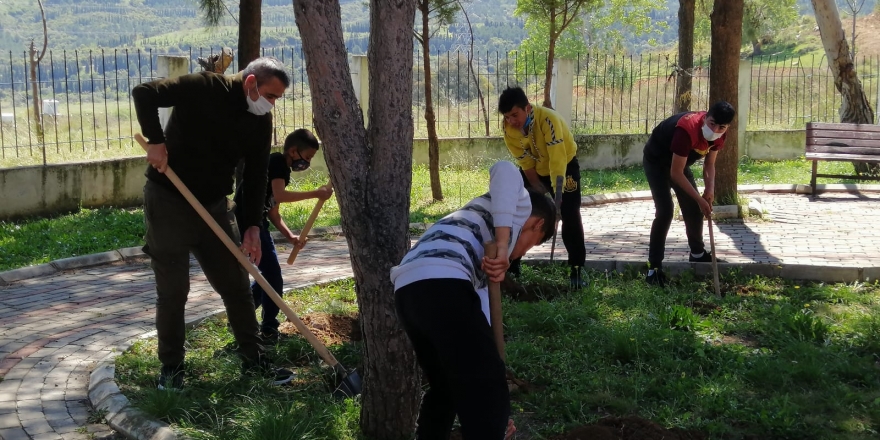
(842, 138)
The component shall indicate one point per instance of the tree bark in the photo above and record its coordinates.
(551, 54)
(371, 172)
(854, 105)
(249, 28)
(727, 17)
(684, 85)
(424, 7)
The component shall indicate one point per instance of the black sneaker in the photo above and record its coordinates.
(171, 378)
(270, 336)
(658, 278)
(705, 258)
(278, 376)
(577, 278)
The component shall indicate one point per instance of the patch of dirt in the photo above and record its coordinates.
(628, 428)
(737, 339)
(515, 385)
(330, 329)
(735, 289)
(704, 308)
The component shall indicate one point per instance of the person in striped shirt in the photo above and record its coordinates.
(441, 297)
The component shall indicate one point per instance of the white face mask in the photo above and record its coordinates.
(709, 134)
(261, 106)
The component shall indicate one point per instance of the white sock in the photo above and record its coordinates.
(698, 255)
(650, 272)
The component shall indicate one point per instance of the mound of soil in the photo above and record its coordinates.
(515, 385)
(330, 329)
(628, 428)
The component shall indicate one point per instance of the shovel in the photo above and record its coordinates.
(491, 251)
(349, 380)
(558, 201)
(305, 230)
(714, 261)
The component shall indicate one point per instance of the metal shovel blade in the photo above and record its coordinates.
(350, 384)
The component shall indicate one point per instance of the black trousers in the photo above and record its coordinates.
(659, 180)
(455, 347)
(570, 212)
(174, 229)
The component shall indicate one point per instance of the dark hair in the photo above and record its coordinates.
(512, 97)
(722, 112)
(302, 140)
(543, 208)
(264, 68)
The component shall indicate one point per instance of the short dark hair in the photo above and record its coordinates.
(543, 208)
(264, 68)
(722, 112)
(512, 97)
(302, 140)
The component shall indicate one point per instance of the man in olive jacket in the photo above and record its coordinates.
(217, 120)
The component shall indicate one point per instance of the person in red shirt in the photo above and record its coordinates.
(674, 145)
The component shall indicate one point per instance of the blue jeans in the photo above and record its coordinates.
(271, 270)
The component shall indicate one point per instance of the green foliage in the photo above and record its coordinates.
(678, 317)
(806, 326)
(762, 19)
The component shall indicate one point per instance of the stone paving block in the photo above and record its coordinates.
(102, 391)
(62, 425)
(56, 413)
(871, 273)
(9, 420)
(46, 436)
(14, 434)
(75, 436)
(36, 426)
(138, 425)
(37, 271)
(113, 404)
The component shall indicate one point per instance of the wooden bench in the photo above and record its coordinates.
(842, 142)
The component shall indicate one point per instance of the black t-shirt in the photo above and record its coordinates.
(278, 169)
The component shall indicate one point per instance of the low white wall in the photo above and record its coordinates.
(39, 191)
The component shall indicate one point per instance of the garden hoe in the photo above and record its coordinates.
(305, 230)
(557, 203)
(349, 380)
(714, 261)
(491, 251)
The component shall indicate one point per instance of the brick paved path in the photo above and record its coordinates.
(53, 330)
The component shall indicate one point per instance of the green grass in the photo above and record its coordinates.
(773, 359)
(30, 242)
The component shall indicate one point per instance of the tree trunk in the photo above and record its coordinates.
(551, 54)
(684, 84)
(35, 89)
(371, 172)
(249, 28)
(756, 47)
(854, 106)
(727, 17)
(430, 118)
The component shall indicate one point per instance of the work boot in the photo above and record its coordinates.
(656, 277)
(171, 378)
(705, 258)
(577, 278)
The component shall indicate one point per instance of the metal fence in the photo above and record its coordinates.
(87, 111)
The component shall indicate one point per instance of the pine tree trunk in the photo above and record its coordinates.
(727, 17)
(430, 118)
(684, 85)
(371, 172)
(249, 28)
(854, 106)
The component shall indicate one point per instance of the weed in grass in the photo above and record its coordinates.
(97, 416)
(806, 326)
(678, 317)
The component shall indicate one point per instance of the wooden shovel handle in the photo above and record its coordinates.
(303, 330)
(305, 230)
(491, 251)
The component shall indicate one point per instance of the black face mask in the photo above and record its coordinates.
(299, 165)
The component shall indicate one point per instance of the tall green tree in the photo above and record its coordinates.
(554, 17)
(764, 18)
(371, 171)
(565, 28)
(434, 15)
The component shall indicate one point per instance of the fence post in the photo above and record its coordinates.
(170, 66)
(360, 79)
(562, 88)
(742, 106)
